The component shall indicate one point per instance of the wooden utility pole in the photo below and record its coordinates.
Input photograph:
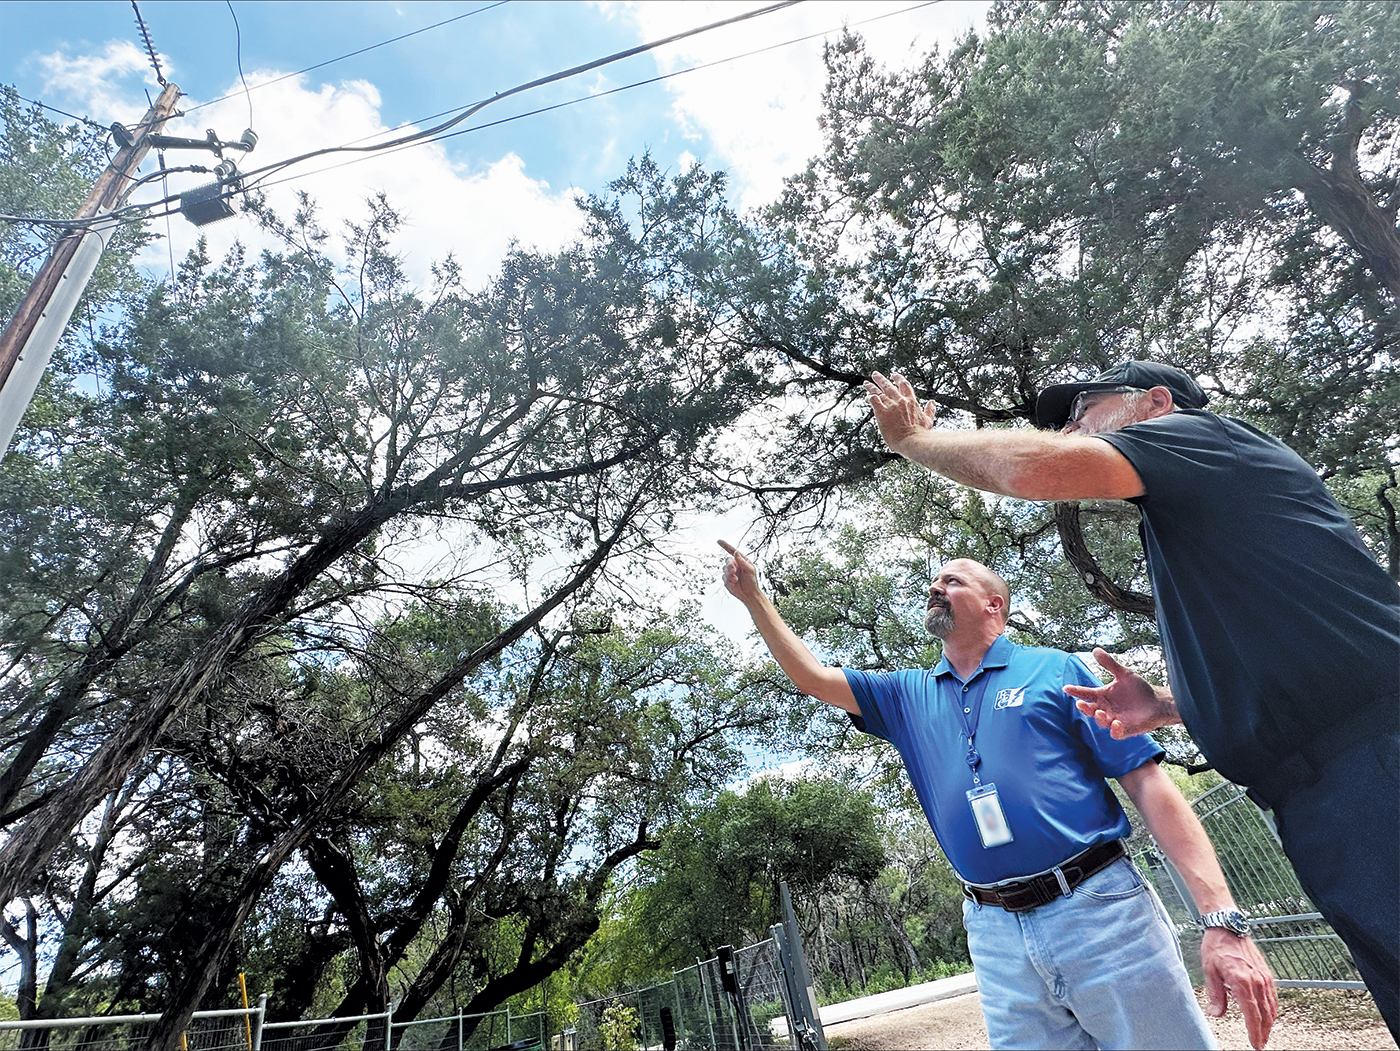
(37, 325)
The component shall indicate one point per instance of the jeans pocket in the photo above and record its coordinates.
(1119, 882)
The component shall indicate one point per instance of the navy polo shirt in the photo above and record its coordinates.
(1047, 760)
(1276, 622)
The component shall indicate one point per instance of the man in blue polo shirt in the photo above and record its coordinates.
(1281, 633)
(1071, 947)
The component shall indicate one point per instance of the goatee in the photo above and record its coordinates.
(938, 621)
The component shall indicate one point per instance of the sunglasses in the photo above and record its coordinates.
(1080, 405)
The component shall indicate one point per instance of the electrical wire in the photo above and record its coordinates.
(263, 183)
(539, 82)
(432, 135)
(352, 54)
(238, 46)
(54, 109)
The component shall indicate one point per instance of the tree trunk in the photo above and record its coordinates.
(27, 949)
(223, 929)
(1340, 199)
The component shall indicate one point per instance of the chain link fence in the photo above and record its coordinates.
(695, 1010)
(1300, 946)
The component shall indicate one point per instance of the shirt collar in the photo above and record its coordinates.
(998, 655)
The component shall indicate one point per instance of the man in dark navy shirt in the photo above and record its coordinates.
(1071, 946)
(1281, 633)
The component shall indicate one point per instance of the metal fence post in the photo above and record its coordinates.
(258, 1025)
(680, 1011)
(709, 1022)
(804, 993)
(389, 1027)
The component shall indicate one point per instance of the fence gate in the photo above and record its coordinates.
(758, 998)
(1300, 946)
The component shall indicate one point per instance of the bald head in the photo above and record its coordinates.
(967, 596)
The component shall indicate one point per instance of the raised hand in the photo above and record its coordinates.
(740, 577)
(1128, 705)
(1235, 967)
(897, 409)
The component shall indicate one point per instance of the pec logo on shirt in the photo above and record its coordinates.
(1010, 698)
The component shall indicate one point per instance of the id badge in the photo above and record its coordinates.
(986, 811)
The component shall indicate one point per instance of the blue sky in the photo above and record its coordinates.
(755, 117)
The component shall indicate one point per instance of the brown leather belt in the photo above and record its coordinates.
(1043, 889)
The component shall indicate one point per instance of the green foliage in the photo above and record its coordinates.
(714, 881)
(618, 1028)
(207, 607)
(1086, 183)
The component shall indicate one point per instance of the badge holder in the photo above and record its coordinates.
(987, 812)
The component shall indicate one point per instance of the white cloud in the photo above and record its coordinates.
(94, 79)
(473, 214)
(761, 112)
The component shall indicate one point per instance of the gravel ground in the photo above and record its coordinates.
(1312, 1018)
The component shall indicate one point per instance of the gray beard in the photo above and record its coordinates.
(1119, 418)
(938, 621)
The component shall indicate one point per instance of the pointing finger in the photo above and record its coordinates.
(1108, 664)
(728, 547)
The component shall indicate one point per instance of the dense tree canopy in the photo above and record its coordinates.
(207, 564)
(328, 649)
(1090, 182)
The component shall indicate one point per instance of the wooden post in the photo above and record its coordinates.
(21, 329)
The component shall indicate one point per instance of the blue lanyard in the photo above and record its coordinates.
(974, 708)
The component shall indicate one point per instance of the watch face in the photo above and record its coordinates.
(1231, 919)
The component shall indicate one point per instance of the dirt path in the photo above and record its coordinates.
(1307, 1019)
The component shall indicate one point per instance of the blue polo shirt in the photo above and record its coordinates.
(1047, 760)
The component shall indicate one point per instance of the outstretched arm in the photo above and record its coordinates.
(1030, 465)
(1233, 965)
(1128, 705)
(806, 672)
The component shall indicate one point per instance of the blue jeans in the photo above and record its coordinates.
(1101, 968)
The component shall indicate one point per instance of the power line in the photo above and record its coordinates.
(54, 109)
(433, 135)
(598, 95)
(350, 54)
(238, 51)
(423, 135)
(540, 82)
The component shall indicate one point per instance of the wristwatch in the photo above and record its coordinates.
(1231, 919)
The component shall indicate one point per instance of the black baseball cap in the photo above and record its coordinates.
(1053, 405)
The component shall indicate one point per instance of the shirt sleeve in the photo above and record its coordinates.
(1183, 456)
(1115, 758)
(877, 693)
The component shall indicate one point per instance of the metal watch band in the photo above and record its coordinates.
(1231, 920)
